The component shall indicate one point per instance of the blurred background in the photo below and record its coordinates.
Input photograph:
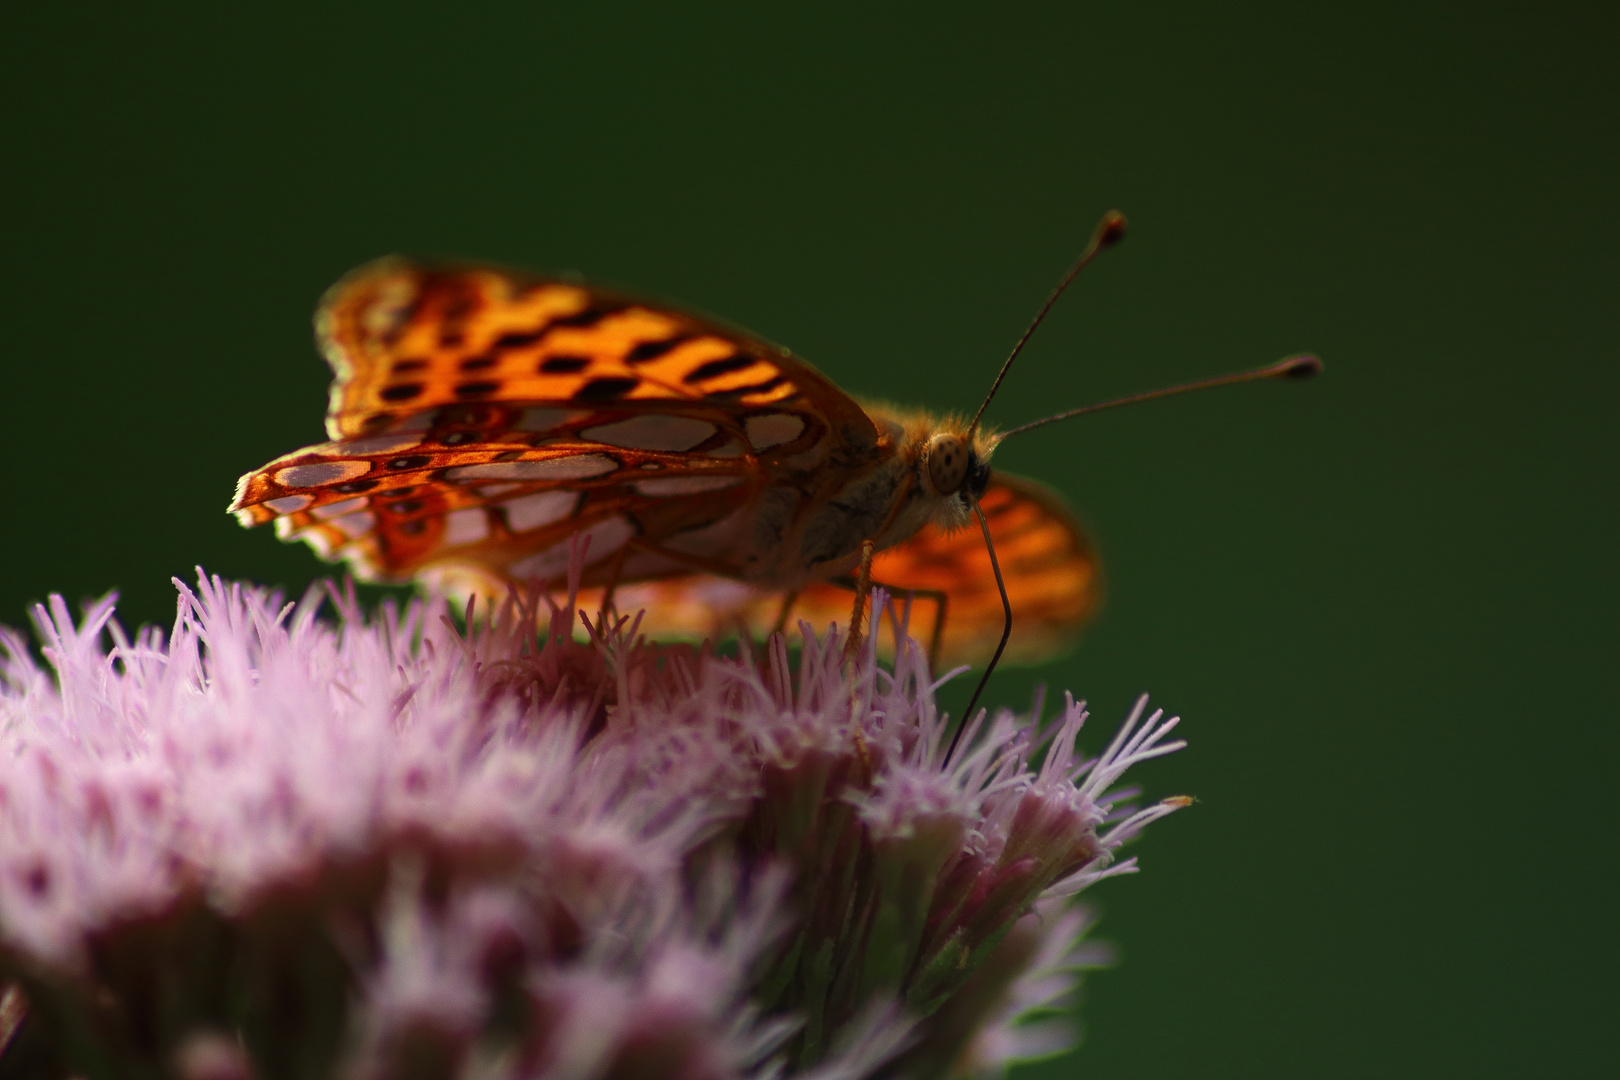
(1384, 601)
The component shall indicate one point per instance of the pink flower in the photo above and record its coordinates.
(277, 843)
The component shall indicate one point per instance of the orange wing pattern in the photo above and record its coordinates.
(480, 417)
(404, 339)
(1052, 575)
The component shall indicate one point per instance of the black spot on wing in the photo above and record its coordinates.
(401, 392)
(410, 461)
(737, 392)
(599, 391)
(516, 340)
(652, 350)
(715, 368)
(401, 367)
(476, 389)
(355, 487)
(477, 363)
(589, 317)
(564, 365)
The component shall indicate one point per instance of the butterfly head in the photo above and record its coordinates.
(955, 468)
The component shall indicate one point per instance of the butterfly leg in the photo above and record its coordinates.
(863, 593)
(852, 646)
(936, 634)
(788, 600)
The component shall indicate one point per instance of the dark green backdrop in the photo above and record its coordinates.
(1384, 601)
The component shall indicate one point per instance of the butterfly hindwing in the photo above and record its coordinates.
(1052, 575)
(1053, 578)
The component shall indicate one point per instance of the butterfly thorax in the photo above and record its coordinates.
(886, 496)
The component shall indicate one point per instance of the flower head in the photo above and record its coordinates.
(275, 841)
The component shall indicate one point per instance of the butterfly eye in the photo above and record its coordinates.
(947, 463)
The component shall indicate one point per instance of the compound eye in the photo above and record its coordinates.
(947, 464)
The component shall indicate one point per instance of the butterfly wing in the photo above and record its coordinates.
(1052, 574)
(405, 338)
(480, 417)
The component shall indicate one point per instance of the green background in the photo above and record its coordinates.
(1384, 601)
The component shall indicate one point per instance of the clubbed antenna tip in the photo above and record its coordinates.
(1303, 366)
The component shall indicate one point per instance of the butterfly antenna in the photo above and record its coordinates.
(1109, 231)
(1006, 632)
(1294, 367)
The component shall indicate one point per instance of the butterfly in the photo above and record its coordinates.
(481, 418)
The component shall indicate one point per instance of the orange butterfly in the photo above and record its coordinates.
(480, 418)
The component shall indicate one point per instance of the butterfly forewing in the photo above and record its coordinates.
(479, 417)
(404, 339)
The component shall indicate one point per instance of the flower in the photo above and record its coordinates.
(275, 842)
